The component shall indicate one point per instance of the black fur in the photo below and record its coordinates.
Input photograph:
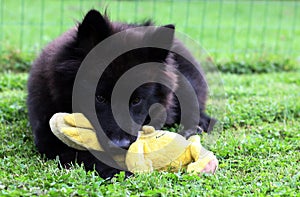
(52, 76)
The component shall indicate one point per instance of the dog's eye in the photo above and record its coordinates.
(136, 101)
(100, 99)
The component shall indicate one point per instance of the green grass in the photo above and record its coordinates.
(258, 150)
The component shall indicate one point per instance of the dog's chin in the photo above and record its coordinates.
(120, 143)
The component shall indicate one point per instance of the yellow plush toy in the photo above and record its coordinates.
(153, 149)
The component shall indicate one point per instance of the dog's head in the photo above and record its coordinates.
(96, 28)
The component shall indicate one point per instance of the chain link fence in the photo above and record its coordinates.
(225, 28)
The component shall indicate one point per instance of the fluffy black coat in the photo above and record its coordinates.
(52, 76)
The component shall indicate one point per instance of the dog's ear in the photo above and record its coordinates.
(163, 35)
(93, 29)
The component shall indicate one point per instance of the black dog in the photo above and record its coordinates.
(53, 73)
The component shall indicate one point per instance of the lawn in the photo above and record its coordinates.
(258, 148)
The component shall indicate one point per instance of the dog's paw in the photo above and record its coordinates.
(190, 132)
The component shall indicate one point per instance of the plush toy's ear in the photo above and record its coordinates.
(56, 124)
(75, 131)
(93, 29)
(84, 137)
